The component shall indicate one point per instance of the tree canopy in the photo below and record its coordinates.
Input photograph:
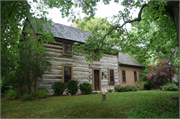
(155, 30)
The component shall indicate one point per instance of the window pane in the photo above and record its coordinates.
(135, 76)
(124, 76)
(111, 78)
(67, 74)
(111, 72)
(111, 75)
(68, 48)
(67, 70)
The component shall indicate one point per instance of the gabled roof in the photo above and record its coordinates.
(125, 59)
(66, 32)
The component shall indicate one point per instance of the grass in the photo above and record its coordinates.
(116, 105)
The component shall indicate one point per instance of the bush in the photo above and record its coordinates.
(72, 87)
(119, 89)
(170, 87)
(11, 94)
(58, 88)
(147, 85)
(110, 90)
(26, 97)
(40, 94)
(140, 84)
(127, 88)
(43, 89)
(86, 88)
(133, 88)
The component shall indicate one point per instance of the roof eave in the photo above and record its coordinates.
(130, 65)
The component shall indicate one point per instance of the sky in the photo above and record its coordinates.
(102, 11)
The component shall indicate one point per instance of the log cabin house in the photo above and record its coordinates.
(108, 72)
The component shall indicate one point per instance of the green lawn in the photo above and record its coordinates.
(117, 105)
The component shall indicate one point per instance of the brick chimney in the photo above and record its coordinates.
(74, 24)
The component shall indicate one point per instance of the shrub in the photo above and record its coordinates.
(26, 97)
(147, 85)
(127, 88)
(133, 88)
(40, 94)
(170, 87)
(110, 90)
(11, 94)
(72, 87)
(58, 88)
(86, 88)
(119, 89)
(43, 89)
(140, 84)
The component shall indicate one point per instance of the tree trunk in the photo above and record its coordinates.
(172, 10)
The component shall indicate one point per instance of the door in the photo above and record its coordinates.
(96, 80)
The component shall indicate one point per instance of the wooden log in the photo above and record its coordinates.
(81, 69)
(57, 43)
(54, 72)
(77, 77)
(80, 73)
(56, 63)
(54, 67)
(51, 76)
(54, 54)
(53, 46)
(54, 50)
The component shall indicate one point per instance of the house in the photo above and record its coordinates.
(129, 70)
(102, 74)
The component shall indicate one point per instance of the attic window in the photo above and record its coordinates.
(67, 48)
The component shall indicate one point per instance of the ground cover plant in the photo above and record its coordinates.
(117, 105)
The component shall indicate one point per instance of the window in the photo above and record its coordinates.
(123, 76)
(111, 76)
(135, 76)
(67, 48)
(67, 73)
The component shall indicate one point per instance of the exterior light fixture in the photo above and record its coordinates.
(102, 74)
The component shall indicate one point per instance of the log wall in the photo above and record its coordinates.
(82, 70)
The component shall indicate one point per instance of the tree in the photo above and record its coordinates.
(161, 74)
(14, 16)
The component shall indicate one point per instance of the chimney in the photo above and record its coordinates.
(74, 24)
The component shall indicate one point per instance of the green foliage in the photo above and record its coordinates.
(41, 88)
(11, 94)
(147, 85)
(86, 88)
(164, 108)
(58, 88)
(110, 90)
(27, 97)
(140, 84)
(31, 66)
(170, 87)
(118, 89)
(13, 43)
(72, 87)
(40, 94)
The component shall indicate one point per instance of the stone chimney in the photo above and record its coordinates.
(74, 24)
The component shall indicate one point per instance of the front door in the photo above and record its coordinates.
(96, 80)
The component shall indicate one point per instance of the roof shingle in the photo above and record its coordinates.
(125, 59)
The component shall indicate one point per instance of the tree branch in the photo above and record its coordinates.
(137, 19)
